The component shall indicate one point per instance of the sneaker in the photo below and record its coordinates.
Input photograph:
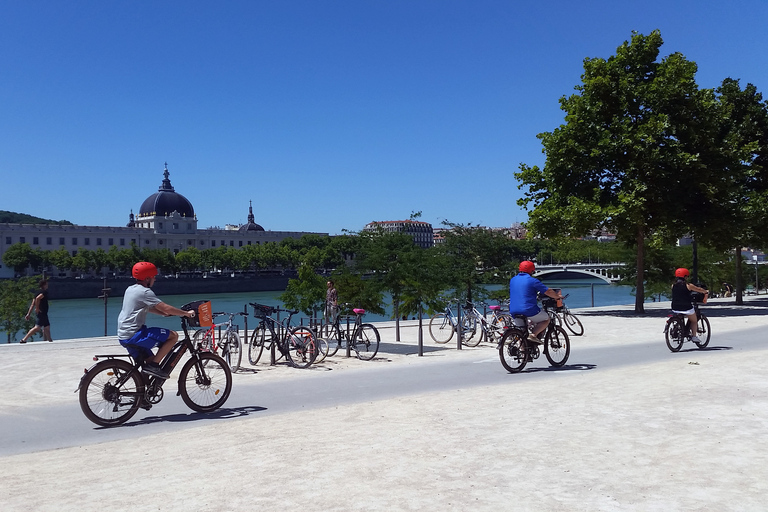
(23, 341)
(532, 338)
(154, 370)
(695, 339)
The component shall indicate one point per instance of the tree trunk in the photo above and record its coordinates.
(639, 282)
(739, 278)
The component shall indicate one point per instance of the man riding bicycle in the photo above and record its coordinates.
(681, 300)
(523, 289)
(137, 338)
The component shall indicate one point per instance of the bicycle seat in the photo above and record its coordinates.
(359, 311)
(494, 308)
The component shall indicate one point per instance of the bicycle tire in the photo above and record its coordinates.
(573, 324)
(440, 328)
(322, 349)
(469, 339)
(674, 333)
(231, 350)
(205, 382)
(203, 340)
(102, 402)
(703, 330)
(302, 349)
(256, 346)
(513, 350)
(366, 342)
(557, 346)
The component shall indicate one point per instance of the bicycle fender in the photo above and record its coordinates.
(86, 371)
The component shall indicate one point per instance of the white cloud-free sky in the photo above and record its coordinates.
(326, 114)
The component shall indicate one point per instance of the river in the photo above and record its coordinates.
(84, 318)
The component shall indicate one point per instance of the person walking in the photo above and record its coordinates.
(331, 303)
(40, 306)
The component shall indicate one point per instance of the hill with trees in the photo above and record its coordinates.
(23, 218)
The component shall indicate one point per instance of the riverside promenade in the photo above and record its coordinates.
(625, 425)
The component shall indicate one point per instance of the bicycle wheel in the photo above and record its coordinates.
(513, 351)
(572, 323)
(322, 349)
(704, 331)
(256, 346)
(557, 346)
(203, 339)
(205, 382)
(111, 392)
(441, 328)
(230, 350)
(675, 333)
(302, 349)
(366, 342)
(468, 329)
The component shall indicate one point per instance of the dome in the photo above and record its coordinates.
(166, 201)
(251, 224)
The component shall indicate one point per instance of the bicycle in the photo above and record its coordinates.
(112, 390)
(563, 315)
(490, 329)
(443, 325)
(297, 344)
(516, 350)
(229, 344)
(677, 331)
(363, 338)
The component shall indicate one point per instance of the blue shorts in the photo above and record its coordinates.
(140, 345)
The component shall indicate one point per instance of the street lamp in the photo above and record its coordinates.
(754, 257)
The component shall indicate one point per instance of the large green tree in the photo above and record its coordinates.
(624, 159)
(15, 298)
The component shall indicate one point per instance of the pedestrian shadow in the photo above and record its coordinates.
(224, 413)
(564, 368)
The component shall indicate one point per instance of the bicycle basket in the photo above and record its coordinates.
(203, 313)
(261, 311)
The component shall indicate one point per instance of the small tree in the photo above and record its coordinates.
(307, 292)
(15, 297)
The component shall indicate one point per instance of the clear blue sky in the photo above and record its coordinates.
(327, 114)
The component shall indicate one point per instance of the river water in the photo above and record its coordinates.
(84, 318)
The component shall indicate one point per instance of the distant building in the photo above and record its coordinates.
(420, 231)
(166, 220)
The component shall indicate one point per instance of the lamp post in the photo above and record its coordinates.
(754, 258)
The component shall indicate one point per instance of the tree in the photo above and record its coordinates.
(624, 158)
(307, 292)
(15, 297)
(18, 257)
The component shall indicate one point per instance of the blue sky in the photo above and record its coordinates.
(326, 114)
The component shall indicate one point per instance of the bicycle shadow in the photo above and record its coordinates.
(220, 414)
(705, 349)
(566, 367)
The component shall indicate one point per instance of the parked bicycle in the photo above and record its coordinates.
(442, 325)
(229, 344)
(516, 350)
(677, 329)
(563, 315)
(112, 390)
(491, 329)
(363, 338)
(297, 344)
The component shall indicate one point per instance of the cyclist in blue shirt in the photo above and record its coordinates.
(523, 289)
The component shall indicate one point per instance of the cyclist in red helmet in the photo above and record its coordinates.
(523, 289)
(681, 299)
(137, 338)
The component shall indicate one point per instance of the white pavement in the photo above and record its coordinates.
(685, 433)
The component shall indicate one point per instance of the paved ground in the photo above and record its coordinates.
(682, 433)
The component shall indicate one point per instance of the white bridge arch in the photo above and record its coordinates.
(608, 272)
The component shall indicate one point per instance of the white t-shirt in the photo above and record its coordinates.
(137, 302)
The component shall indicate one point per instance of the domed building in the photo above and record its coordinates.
(251, 225)
(167, 211)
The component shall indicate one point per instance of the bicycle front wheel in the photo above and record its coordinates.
(302, 349)
(256, 346)
(675, 334)
(557, 346)
(366, 342)
(231, 350)
(111, 392)
(441, 328)
(513, 350)
(572, 323)
(205, 382)
(704, 331)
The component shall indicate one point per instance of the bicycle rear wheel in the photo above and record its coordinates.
(704, 331)
(366, 342)
(256, 346)
(322, 349)
(557, 346)
(203, 339)
(111, 392)
(205, 382)
(302, 349)
(572, 323)
(468, 330)
(674, 333)
(441, 328)
(513, 351)
(231, 350)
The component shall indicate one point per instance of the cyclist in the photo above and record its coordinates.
(681, 299)
(137, 338)
(523, 290)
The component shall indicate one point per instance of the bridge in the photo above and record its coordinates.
(608, 272)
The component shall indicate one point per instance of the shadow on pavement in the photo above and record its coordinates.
(567, 367)
(220, 414)
(705, 349)
(752, 308)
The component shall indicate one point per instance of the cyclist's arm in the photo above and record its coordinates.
(552, 293)
(692, 287)
(168, 310)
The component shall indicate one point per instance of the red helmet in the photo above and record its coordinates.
(682, 272)
(144, 269)
(527, 266)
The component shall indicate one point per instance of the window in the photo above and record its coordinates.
(98, 241)
(146, 242)
(213, 243)
(61, 240)
(87, 241)
(49, 241)
(231, 243)
(110, 241)
(223, 242)
(160, 225)
(176, 225)
(22, 239)
(122, 241)
(189, 227)
(74, 253)
(36, 241)
(190, 242)
(240, 243)
(74, 241)
(8, 240)
(160, 242)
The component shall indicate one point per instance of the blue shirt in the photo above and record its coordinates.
(522, 294)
